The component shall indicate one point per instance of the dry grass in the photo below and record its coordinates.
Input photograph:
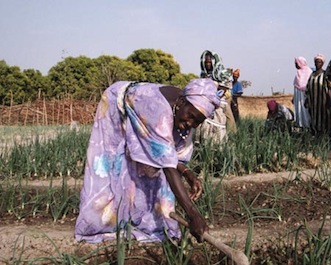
(253, 106)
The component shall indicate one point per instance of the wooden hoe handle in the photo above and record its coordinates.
(237, 256)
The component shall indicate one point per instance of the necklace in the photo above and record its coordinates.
(183, 135)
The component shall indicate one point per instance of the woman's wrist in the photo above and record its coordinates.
(185, 171)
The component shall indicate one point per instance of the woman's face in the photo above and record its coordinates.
(318, 64)
(208, 63)
(187, 117)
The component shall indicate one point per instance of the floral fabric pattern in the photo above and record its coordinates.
(124, 183)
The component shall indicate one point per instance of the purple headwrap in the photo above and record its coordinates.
(203, 95)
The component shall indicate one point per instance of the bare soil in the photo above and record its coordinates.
(292, 202)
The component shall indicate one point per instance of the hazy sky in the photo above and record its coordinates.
(261, 37)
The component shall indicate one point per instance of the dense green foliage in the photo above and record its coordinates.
(85, 78)
(253, 150)
(61, 154)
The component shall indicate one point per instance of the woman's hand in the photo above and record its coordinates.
(198, 227)
(194, 182)
(197, 223)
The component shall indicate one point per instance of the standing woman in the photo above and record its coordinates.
(318, 99)
(302, 119)
(212, 67)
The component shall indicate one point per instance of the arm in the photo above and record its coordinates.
(328, 87)
(197, 223)
(192, 180)
(328, 99)
(307, 94)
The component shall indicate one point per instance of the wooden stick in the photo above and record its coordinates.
(237, 256)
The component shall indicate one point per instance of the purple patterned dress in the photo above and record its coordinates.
(132, 139)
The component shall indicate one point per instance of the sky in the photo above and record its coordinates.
(260, 37)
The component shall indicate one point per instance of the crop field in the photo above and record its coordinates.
(267, 195)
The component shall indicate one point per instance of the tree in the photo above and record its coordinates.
(3, 71)
(245, 83)
(112, 69)
(85, 78)
(169, 64)
(17, 87)
(12, 84)
(72, 78)
(158, 66)
(36, 84)
(181, 80)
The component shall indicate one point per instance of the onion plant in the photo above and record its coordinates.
(43, 157)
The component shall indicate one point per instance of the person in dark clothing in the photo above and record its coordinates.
(279, 117)
(318, 101)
